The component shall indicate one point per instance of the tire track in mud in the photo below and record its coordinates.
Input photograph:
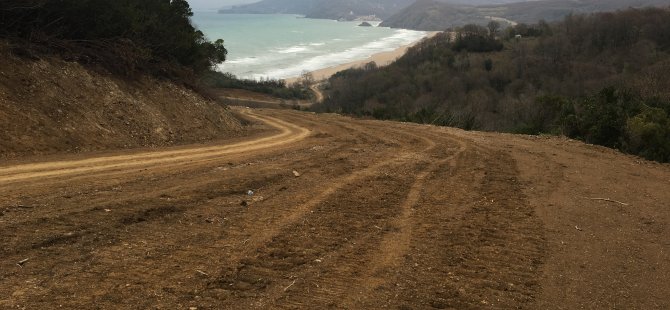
(487, 229)
(338, 282)
(334, 186)
(396, 243)
(84, 236)
(477, 234)
(355, 272)
(190, 185)
(148, 198)
(405, 219)
(332, 234)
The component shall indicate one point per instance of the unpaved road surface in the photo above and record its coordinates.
(382, 215)
(317, 91)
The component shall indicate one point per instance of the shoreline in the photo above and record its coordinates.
(381, 59)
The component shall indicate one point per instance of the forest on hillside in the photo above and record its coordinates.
(438, 15)
(603, 78)
(123, 36)
(128, 38)
(326, 9)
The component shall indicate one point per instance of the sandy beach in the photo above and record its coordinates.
(381, 59)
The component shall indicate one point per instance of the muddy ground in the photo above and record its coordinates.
(344, 214)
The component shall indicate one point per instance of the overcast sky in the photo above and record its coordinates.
(216, 4)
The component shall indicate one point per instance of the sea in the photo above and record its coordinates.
(286, 46)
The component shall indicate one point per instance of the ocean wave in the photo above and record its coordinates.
(243, 61)
(399, 38)
(294, 49)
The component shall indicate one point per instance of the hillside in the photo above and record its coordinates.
(434, 15)
(342, 9)
(345, 9)
(80, 76)
(439, 15)
(554, 10)
(273, 7)
(602, 78)
(50, 106)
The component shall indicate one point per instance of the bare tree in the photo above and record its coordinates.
(493, 27)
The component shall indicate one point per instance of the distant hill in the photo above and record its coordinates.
(326, 9)
(553, 10)
(273, 7)
(603, 78)
(434, 15)
(442, 14)
(483, 2)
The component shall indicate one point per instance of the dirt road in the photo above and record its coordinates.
(317, 92)
(379, 215)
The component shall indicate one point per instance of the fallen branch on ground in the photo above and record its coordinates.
(201, 272)
(609, 200)
(22, 262)
(290, 285)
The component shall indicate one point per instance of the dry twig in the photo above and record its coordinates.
(22, 262)
(609, 200)
(202, 272)
(290, 285)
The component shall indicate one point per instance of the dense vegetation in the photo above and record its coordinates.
(603, 78)
(439, 15)
(434, 15)
(127, 37)
(122, 35)
(276, 88)
(556, 10)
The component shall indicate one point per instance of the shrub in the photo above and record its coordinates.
(477, 44)
(648, 134)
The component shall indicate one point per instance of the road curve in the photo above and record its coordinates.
(288, 133)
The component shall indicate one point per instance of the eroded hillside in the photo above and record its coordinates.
(49, 106)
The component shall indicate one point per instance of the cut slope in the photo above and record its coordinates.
(51, 106)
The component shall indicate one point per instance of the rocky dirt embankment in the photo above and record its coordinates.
(50, 106)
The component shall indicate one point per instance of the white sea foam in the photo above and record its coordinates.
(294, 49)
(281, 46)
(243, 61)
(398, 38)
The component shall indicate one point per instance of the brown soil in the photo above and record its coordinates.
(50, 106)
(382, 215)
